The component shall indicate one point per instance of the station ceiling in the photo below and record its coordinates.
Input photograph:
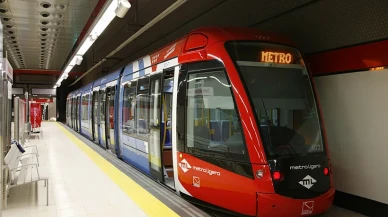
(40, 33)
(314, 25)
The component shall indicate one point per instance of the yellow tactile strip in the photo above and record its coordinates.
(146, 201)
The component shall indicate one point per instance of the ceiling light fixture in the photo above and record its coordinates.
(45, 14)
(111, 9)
(122, 8)
(45, 4)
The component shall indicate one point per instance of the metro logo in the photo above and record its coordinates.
(184, 165)
(308, 182)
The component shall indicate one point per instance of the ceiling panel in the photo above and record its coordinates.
(330, 24)
(314, 25)
(40, 34)
(191, 15)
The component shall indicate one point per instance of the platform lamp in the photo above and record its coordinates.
(122, 8)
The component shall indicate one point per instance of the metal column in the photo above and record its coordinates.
(27, 107)
(16, 119)
(5, 119)
(27, 125)
(5, 131)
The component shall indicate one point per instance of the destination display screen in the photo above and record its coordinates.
(275, 57)
(263, 52)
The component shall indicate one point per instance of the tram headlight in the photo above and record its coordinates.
(259, 174)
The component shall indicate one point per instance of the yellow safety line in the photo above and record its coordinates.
(145, 200)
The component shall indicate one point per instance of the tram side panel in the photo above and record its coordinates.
(134, 112)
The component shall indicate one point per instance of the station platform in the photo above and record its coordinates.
(87, 181)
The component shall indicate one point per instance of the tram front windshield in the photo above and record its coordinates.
(279, 87)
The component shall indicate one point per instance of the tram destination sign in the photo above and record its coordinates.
(276, 57)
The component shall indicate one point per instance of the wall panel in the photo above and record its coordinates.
(355, 109)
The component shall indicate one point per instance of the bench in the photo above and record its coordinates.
(29, 150)
(22, 168)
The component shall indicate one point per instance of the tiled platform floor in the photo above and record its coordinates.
(78, 188)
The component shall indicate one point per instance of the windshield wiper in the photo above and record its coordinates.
(290, 150)
(268, 122)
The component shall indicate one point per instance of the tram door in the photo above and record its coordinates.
(166, 128)
(77, 114)
(102, 95)
(155, 153)
(68, 112)
(95, 114)
(109, 126)
(161, 163)
(72, 113)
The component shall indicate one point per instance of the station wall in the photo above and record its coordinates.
(352, 83)
(354, 107)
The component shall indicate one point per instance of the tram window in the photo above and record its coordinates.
(282, 97)
(102, 106)
(213, 126)
(129, 108)
(68, 111)
(155, 104)
(286, 111)
(142, 107)
(111, 107)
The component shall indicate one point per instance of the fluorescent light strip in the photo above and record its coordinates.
(67, 70)
(85, 46)
(108, 15)
(97, 30)
(105, 19)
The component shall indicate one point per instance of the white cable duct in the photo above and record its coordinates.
(158, 18)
